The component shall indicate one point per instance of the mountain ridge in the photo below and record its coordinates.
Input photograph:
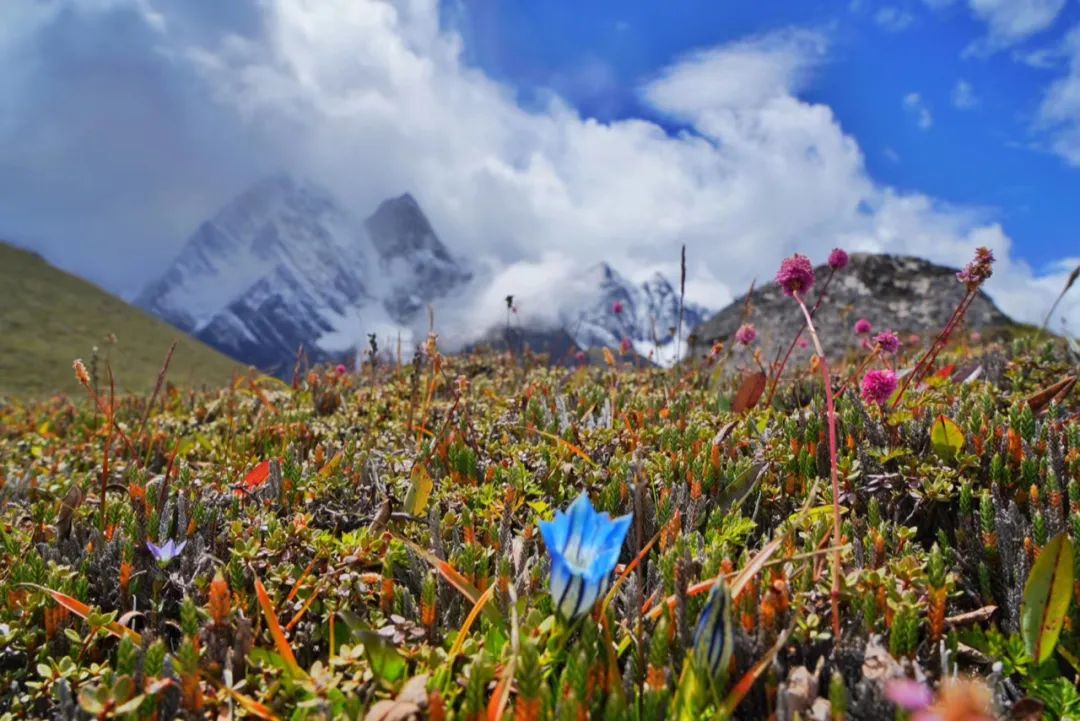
(51, 317)
(283, 265)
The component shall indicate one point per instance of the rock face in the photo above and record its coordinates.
(900, 293)
(284, 265)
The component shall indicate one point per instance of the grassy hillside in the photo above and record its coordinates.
(48, 318)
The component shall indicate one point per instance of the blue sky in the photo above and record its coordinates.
(542, 137)
(983, 154)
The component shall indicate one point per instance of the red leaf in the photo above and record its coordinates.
(946, 371)
(255, 477)
(750, 391)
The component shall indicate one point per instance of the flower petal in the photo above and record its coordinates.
(580, 513)
(555, 532)
(560, 577)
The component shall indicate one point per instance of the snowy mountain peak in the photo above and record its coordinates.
(285, 265)
(399, 227)
(610, 308)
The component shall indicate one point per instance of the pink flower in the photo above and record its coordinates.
(341, 369)
(746, 333)
(908, 694)
(796, 275)
(838, 259)
(803, 343)
(862, 326)
(978, 270)
(877, 386)
(617, 307)
(976, 336)
(580, 356)
(887, 341)
(625, 345)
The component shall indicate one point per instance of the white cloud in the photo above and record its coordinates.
(963, 95)
(1011, 21)
(373, 98)
(917, 109)
(892, 19)
(1059, 112)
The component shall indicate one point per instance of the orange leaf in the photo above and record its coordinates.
(573, 449)
(303, 609)
(470, 619)
(452, 576)
(282, 643)
(628, 570)
(251, 705)
(501, 694)
(81, 610)
(735, 587)
(739, 690)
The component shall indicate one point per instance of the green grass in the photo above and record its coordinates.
(48, 318)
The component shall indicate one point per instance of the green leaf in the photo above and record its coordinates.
(386, 663)
(419, 492)
(946, 437)
(1047, 594)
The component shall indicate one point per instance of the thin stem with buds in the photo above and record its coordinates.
(831, 409)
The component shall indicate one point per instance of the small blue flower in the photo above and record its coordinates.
(714, 637)
(584, 546)
(167, 551)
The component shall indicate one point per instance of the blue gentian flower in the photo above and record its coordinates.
(584, 546)
(166, 551)
(714, 637)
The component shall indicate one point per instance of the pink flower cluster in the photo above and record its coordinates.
(862, 327)
(887, 341)
(877, 386)
(796, 275)
(979, 269)
(838, 259)
(746, 333)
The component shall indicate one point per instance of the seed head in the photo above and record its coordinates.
(80, 373)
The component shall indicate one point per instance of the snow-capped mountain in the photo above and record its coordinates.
(609, 307)
(284, 265)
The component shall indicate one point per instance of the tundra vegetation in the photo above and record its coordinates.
(879, 536)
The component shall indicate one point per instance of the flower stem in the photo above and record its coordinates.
(795, 340)
(939, 343)
(858, 371)
(831, 409)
